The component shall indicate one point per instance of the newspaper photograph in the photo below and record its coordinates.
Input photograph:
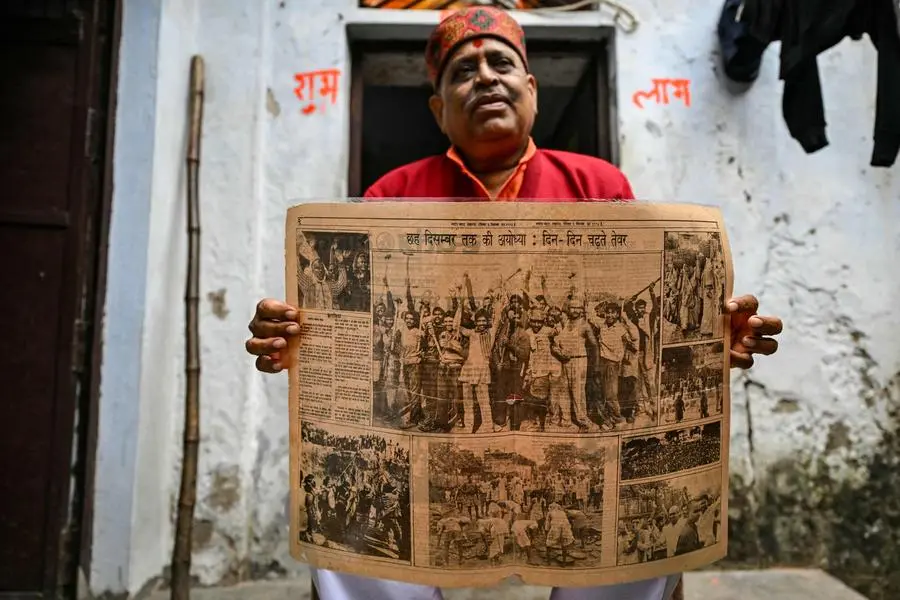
(497, 389)
(670, 518)
(494, 501)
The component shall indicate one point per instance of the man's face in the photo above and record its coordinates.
(486, 101)
(575, 311)
(612, 316)
(388, 321)
(694, 512)
(536, 325)
(409, 320)
(481, 324)
(640, 309)
(318, 269)
(448, 323)
(554, 316)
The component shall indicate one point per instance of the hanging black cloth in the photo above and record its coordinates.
(897, 10)
(887, 107)
(742, 52)
(807, 28)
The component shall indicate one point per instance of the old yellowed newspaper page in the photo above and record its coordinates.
(483, 390)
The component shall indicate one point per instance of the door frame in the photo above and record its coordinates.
(600, 42)
(94, 28)
(90, 405)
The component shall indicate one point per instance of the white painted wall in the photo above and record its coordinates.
(814, 236)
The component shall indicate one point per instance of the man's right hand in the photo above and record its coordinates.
(272, 325)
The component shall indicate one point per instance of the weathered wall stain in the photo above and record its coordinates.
(786, 406)
(272, 105)
(654, 129)
(202, 533)
(838, 437)
(225, 489)
(217, 303)
(797, 514)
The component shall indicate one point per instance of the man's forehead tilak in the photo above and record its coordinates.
(488, 47)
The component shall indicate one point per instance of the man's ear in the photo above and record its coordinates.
(436, 104)
(533, 89)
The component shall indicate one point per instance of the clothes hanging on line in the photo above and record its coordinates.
(806, 28)
(741, 51)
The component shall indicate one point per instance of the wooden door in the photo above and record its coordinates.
(55, 57)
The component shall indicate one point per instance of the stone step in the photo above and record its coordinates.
(769, 584)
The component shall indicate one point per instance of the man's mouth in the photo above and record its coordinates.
(491, 102)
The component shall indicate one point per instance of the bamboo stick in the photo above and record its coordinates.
(187, 496)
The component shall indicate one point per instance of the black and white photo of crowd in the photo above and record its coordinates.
(671, 451)
(669, 518)
(560, 345)
(693, 287)
(692, 382)
(333, 271)
(355, 492)
(495, 504)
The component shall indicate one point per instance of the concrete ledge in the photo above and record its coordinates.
(771, 584)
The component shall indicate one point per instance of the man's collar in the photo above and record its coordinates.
(454, 155)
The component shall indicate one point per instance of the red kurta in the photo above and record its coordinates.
(547, 175)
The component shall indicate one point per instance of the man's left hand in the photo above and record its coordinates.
(750, 332)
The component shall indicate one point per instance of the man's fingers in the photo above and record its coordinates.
(765, 325)
(267, 364)
(270, 308)
(741, 360)
(273, 329)
(743, 304)
(760, 345)
(264, 346)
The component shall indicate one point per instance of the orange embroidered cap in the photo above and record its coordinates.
(466, 24)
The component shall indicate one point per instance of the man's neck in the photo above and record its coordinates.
(493, 166)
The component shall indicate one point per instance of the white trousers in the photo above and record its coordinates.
(341, 586)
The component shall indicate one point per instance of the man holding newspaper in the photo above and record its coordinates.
(485, 101)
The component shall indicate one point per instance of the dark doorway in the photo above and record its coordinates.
(391, 124)
(57, 62)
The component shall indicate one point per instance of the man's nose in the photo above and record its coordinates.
(486, 74)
